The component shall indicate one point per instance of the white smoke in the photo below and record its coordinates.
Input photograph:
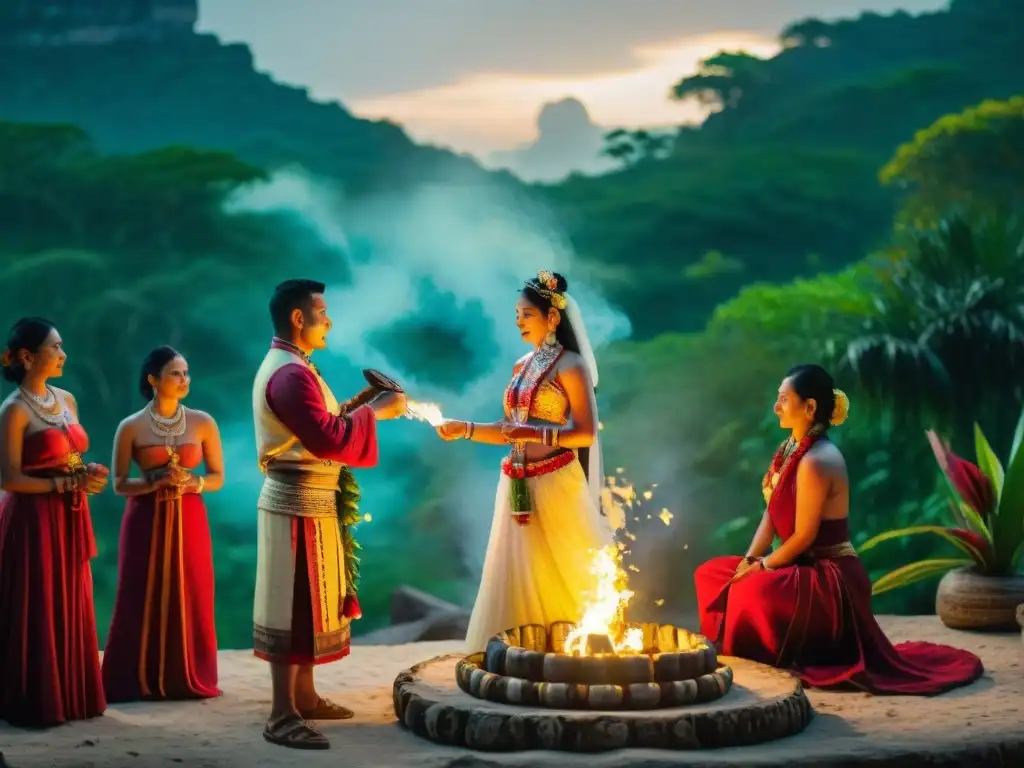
(397, 254)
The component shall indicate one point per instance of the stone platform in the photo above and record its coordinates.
(982, 725)
(763, 704)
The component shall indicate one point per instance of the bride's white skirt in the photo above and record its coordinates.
(539, 573)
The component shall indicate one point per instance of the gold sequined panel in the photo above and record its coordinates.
(550, 404)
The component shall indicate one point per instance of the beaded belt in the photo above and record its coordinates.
(300, 494)
(556, 461)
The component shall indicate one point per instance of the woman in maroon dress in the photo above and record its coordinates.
(163, 640)
(49, 654)
(806, 606)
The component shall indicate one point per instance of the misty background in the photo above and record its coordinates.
(729, 190)
(423, 288)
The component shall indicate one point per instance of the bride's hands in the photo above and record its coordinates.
(513, 434)
(452, 430)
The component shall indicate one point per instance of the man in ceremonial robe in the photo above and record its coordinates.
(303, 606)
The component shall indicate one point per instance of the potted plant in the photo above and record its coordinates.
(982, 588)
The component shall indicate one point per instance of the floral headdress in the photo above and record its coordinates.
(546, 284)
(841, 409)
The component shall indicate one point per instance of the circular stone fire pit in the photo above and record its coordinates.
(764, 704)
(525, 665)
(523, 694)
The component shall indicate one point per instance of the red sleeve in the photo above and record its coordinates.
(294, 396)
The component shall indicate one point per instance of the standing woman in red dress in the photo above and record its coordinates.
(49, 654)
(163, 639)
(806, 606)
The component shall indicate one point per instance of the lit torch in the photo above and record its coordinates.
(428, 412)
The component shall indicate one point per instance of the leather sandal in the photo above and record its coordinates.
(328, 710)
(293, 732)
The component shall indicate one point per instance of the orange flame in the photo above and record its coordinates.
(605, 610)
(428, 412)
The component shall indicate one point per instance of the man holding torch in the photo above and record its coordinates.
(306, 565)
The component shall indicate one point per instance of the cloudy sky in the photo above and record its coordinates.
(472, 74)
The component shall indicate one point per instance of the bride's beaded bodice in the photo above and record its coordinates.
(550, 403)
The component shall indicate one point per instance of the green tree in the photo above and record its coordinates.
(787, 315)
(764, 206)
(807, 33)
(722, 80)
(975, 157)
(58, 191)
(620, 146)
(173, 198)
(632, 147)
(41, 168)
(136, 231)
(946, 339)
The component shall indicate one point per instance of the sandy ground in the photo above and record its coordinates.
(851, 728)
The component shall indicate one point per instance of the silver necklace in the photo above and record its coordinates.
(168, 427)
(46, 401)
(47, 408)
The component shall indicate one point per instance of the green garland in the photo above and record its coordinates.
(519, 495)
(348, 516)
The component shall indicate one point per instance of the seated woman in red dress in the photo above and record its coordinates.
(163, 640)
(49, 654)
(806, 606)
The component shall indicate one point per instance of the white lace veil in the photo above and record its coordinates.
(595, 468)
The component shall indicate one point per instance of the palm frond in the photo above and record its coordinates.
(945, 309)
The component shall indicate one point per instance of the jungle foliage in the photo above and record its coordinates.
(854, 200)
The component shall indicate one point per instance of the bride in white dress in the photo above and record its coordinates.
(548, 519)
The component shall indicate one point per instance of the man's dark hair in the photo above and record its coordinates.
(289, 296)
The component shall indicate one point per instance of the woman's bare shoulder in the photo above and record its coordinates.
(570, 359)
(13, 402)
(826, 458)
(130, 422)
(66, 398)
(201, 421)
(200, 417)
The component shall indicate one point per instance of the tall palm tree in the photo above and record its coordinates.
(946, 341)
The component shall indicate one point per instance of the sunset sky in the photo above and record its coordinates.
(473, 74)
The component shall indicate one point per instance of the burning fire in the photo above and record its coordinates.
(605, 614)
(428, 412)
